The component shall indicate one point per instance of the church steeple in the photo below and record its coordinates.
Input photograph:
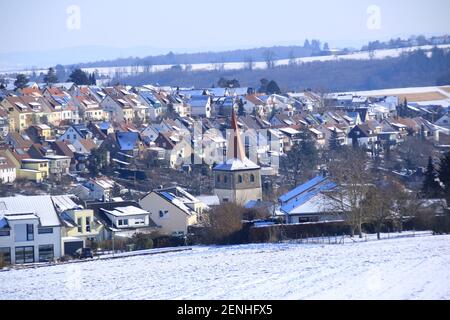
(235, 148)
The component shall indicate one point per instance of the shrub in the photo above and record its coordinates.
(141, 241)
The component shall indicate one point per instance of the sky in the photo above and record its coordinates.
(199, 25)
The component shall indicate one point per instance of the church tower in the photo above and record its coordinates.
(238, 179)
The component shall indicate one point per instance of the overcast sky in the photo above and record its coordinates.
(193, 25)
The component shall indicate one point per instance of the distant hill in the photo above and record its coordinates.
(416, 68)
(241, 55)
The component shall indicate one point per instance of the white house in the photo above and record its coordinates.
(200, 106)
(310, 202)
(30, 230)
(444, 121)
(7, 169)
(123, 218)
(173, 209)
(95, 189)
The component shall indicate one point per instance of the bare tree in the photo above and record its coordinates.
(269, 58)
(349, 170)
(249, 63)
(378, 206)
(223, 221)
(292, 60)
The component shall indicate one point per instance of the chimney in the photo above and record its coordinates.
(436, 136)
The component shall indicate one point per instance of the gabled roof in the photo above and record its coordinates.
(304, 193)
(127, 140)
(198, 101)
(302, 188)
(179, 198)
(87, 144)
(61, 148)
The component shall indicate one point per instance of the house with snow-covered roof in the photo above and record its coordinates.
(173, 209)
(310, 202)
(30, 230)
(122, 218)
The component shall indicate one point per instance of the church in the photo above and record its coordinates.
(238, 179)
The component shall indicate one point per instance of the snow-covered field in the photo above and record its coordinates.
(404, 268)
(361, 55)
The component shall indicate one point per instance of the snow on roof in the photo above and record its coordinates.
(209, 200)
(25, 216)
(64, 202)
(310, 201)
(104, 183)
(302, 188)
(236, 165)
(127, 211)
(42, 206)
(289, 131)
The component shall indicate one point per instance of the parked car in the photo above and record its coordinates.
(84, 253)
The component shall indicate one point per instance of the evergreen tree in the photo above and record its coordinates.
(79, 77)
(273, 87)
(431, 187)
(50, 77)
(21, 81)
(93, 79)
(444, 174)
(241, 110)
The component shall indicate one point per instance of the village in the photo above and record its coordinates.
(121, 168)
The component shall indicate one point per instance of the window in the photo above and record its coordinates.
(240, 179)
(252, 178)
(139, 221)
(163, 214)
(218, 178)
(46, 253)
(4, 233)
(125, 222)
(45, 230)
(88, 224)
(225, 179)
(80, 227)
(120, 222)
(24, 254)
(30, 232)
(5, 255)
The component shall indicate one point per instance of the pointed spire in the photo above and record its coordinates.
(235, 148)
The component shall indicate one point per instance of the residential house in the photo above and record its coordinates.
(123, 218)
(77, 222)
(23, 111)
(30, 230)
(98, 189)
(364, 135)
(7, 169)
(173, 210)
(200, 106)
(155, 109)
(310, 202)
(444, 121)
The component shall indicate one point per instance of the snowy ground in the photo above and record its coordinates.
(404, 268)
